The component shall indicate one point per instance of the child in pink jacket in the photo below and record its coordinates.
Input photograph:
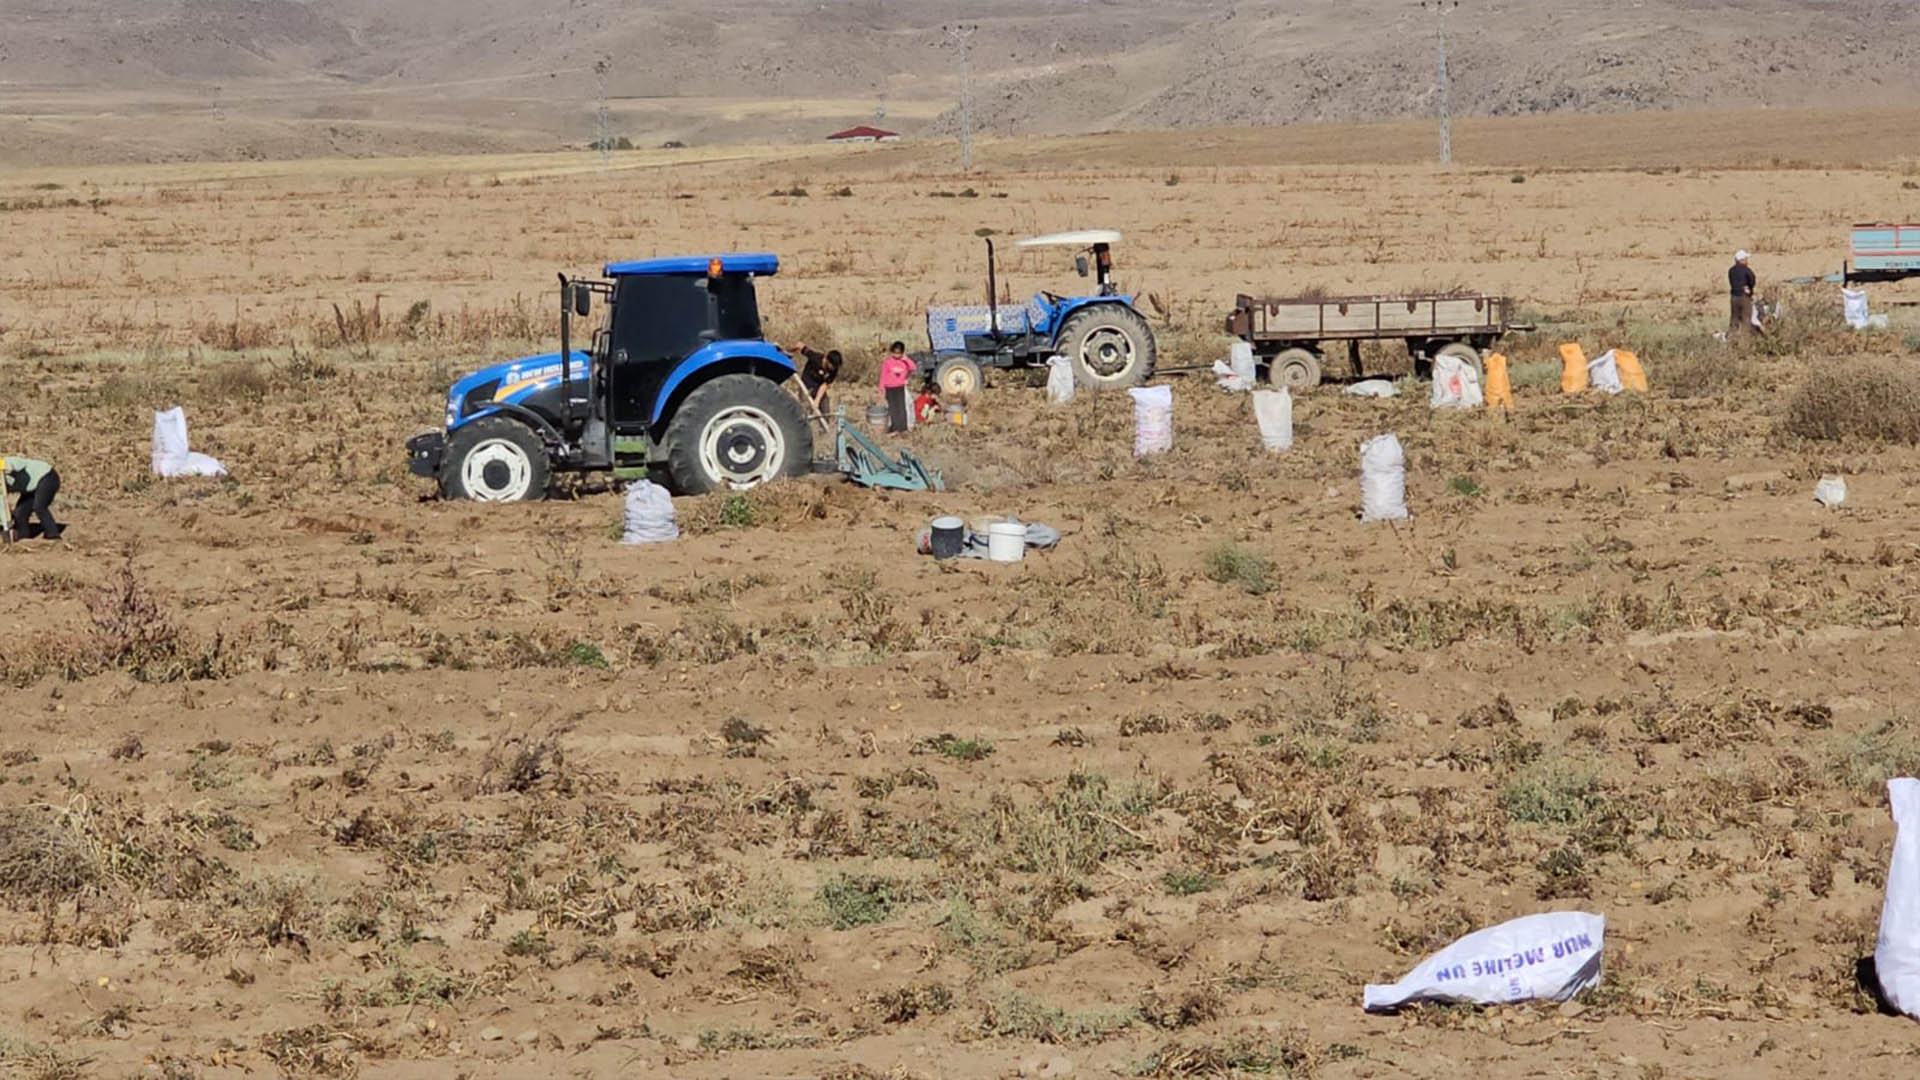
(896, 371)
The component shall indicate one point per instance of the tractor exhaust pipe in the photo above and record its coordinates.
(993, 296)
(566, 349)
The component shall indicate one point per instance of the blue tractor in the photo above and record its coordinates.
(1108, 342)
(677, 383)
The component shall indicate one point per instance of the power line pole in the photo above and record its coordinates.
(1440, 9)
(961, 35)
(602, 121)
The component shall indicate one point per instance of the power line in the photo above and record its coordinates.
(961, 35)
(1441, 9)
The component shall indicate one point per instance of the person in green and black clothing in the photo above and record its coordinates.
(36, 482)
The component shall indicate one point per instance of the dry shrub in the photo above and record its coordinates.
(234, 335)
(1700, 370)
(1875, 400)
(132, 634)
(235, 380)
(1249, 1052)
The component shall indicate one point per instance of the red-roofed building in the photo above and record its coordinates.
(864, 133)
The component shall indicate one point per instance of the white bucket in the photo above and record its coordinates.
(1006, 541)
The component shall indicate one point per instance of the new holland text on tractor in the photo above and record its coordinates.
(676, 383)
(1109, 342)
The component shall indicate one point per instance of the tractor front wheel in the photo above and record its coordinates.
(495, 459)
(1111, 346)
(736, 432)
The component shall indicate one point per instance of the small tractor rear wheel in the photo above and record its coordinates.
(1295, 369)
(736, 432)
(495, 459)
(1111, 346)
(1467, 354)
(959, 376)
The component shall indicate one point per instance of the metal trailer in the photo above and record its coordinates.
(1289, 336)
(1882, 253)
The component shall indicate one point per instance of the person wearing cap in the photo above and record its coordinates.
(1740, 281)
(36, 482)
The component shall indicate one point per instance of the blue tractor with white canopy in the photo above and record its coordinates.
(1107, 340)
(676, 382)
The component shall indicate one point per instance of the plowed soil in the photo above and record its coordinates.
(309, 774)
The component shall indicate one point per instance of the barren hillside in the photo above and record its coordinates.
(119, 79)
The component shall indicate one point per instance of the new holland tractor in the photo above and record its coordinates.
(677, 383)
(1107, 340)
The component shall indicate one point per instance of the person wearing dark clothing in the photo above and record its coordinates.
(819, 372)
(36, 482)
(1740, 283)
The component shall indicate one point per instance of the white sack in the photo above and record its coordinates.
(1152, 420)
(1853, 305)
(1831, 491)
(171, 458)
(1604, 373)
(1059, 380)
(1237, 372)
(1879, 322)
(1372, 388)
(1273, 410)
(649, 515)
(1551, 956)
(1896, 955)
(1455, 385)
(1383, 479)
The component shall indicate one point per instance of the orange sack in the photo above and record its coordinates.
(1632, 375)
(1499, 387)
(1573, 376)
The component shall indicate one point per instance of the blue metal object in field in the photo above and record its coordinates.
(866, 464)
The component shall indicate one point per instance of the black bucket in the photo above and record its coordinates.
(949, 536)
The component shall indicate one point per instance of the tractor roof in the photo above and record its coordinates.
(1081, 238)
(735, 263)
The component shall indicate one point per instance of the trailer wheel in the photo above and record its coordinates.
(1295, 369)
(1111, 346)
(737, 432)
(494, 459)
(1466, 353)
(959, 376)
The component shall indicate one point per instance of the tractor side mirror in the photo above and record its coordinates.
(582, 301)
(1080, 265)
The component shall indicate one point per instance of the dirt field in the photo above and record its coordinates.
(309, 776)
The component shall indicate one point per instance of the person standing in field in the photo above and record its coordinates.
(36, 482)
(818, 373)
(896, 371)
(1740, 281)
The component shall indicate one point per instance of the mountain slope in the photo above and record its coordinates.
(254, 77)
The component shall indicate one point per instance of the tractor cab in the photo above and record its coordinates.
(662, 317)
(675, 381)
(1108, 342)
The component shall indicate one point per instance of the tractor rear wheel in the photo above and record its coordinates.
(736, 432)
(495, 459)
(1111, 346)
(959, 376)
(1296, 369)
